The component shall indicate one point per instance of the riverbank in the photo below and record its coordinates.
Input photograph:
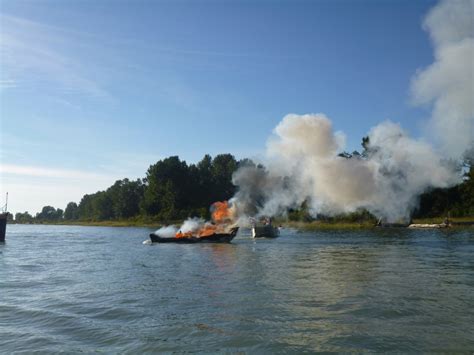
(307, 226)
(323, 225)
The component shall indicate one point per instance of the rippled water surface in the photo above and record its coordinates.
(85, 289)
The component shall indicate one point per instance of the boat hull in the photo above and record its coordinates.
(214, 238)
(3, 226)
(265, 232)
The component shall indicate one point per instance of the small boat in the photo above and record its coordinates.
(392, 225)
(384, 224)
(213, 238)
(3, 226)
(266, 231)
(3, 221)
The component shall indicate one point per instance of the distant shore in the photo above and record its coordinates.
(323, 225)
(307, 226)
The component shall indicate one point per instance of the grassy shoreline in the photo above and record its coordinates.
(308, 226)
(322, 225)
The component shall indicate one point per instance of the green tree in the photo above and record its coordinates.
(85, 211)
(458, 200)
(126, 196)
(205, 184)
(71, 212)
(366, 146)
(49, 214)
(223, 166)
(102, 206)
(167, 187)
(59, 214)
(466, 193)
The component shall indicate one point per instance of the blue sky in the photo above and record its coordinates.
(94, 91)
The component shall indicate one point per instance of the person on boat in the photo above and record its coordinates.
(180, 234)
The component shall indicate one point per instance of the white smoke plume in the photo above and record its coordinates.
(303, 165)
(167, 232)
(302, 156)
(192, 225)
(448, 83)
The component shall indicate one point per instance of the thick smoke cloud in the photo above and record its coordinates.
(191, 225)
(448, 83)
(166, 232)
(303, 165)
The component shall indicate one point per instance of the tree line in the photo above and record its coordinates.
(458, 200)
(173, 190)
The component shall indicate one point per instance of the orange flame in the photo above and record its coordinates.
(220, 212)
(183, 235)
(207, 230)
(221, 215)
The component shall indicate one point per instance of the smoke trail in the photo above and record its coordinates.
(448, 83)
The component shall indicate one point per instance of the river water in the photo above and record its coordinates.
(86, 289)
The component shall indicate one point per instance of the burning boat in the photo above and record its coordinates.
(212, 238)
(220, 230)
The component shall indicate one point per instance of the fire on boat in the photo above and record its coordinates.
(212, 238)
(220, 230)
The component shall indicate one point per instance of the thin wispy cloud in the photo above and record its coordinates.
(38, 171)
(7, 84)
(31, 187)
(34, 54)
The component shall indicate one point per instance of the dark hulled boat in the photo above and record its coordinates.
(266, 231)
(392, 225)
(213, 238)
(3, 226)
(3, 220)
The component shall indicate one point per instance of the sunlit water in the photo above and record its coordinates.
(86, 289)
